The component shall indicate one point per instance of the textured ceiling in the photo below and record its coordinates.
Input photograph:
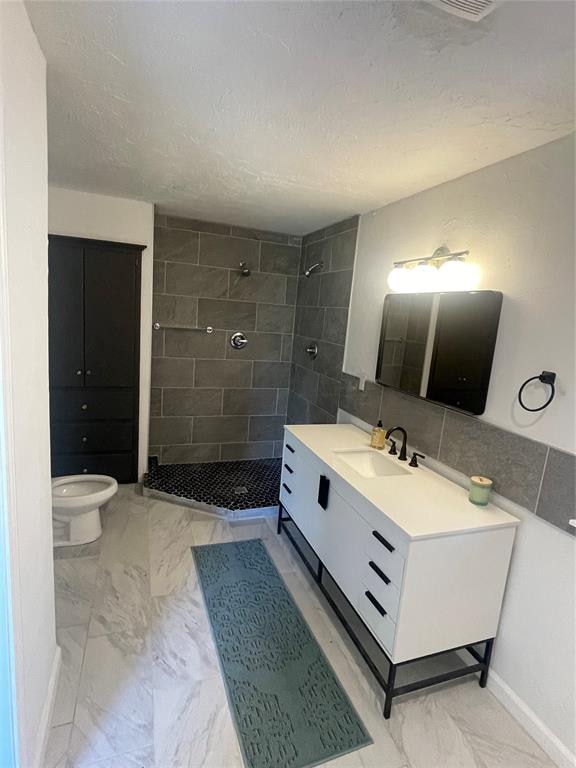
(291, 115)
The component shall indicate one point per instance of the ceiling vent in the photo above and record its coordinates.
(473, 10)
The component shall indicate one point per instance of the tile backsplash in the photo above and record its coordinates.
(209, 401)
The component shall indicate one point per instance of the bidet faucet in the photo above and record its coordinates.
(402, 454)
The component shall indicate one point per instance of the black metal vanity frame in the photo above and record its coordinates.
(389, 684)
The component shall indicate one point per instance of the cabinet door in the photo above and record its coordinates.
(112, 313)
(66, 313)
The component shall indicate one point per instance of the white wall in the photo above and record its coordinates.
(24, 361)
(517, 219)
(84, 214)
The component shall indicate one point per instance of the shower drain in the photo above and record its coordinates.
(240, 490)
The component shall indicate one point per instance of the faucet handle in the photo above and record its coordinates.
(414, 459)
(393, 450)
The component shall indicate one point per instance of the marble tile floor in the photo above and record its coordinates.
(140, 685)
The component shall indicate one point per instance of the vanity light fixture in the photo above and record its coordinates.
(443, 271)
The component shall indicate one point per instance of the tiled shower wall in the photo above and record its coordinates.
(210, 401)
(322, 318)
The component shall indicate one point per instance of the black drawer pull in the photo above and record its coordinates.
(289, 469)
(323, 491)
(383, 541)
(380, 573)
(286, 487)
(375, 603)
(290, 448)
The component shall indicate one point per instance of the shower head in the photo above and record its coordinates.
(312, 268)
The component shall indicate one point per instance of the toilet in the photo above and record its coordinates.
(76, 502)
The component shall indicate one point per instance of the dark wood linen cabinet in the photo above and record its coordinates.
(94, 353)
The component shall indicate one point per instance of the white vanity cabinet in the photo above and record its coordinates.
(422, 586)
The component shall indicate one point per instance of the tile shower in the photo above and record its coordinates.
(209, 401)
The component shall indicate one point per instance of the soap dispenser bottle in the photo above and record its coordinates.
(378, 439)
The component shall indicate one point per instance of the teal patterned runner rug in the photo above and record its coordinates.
(289, 709)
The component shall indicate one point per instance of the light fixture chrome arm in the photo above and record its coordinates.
(440, 254)
(159, 327)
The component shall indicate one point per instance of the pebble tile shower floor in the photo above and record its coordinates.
(228, 485)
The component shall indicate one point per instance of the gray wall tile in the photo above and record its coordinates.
(170, 430)
(308, 290)
(335, 289)
(175, 310)
(291, 290)
(249, 401)
(309, 321)
(305, 383)
(278, 448)
(229, 251)
(190, 454)
(328, 394)
(343, 251)
(154, 450)
(172, 372)
(155, 402)
(282, 400)
(422, 420)
(281, 259)
(223, 373)
(261, 346)
(179, 222)
(237, 315)
(266, 428)
(263, 234)
(329, 360)
(342, 226)
(320, 251)
(335, 324)
(157, 343)
(287, 344)
(220, 429)
(557, 502)
(318, 415)
(187, 401)
(364, 405)
(159, 277)
(297, 409)
(194, 280)
(258, 287)
(275, 318)
(271, 374)
(475, 447)
(244, 451)
(176, 245)
(183, 343)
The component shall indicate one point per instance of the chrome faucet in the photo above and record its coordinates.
(402, 455)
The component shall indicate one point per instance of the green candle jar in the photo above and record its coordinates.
(480, 490)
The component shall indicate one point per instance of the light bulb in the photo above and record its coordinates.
(457, 275)
(398, 280)
(424, 278)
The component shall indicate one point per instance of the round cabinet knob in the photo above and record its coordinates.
(84, 471)
(84, 406)
(84, 439)
(79, 372)
(88, 372)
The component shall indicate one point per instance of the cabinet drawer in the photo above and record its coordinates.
(89, 404)
(382, 627)
(388, 595)
(286, 496)
(92, 438)
(377, 549)
(289, 454)
(118, 466)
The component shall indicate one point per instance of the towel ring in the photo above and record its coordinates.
(546, 377)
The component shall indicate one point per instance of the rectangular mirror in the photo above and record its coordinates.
(440, 346)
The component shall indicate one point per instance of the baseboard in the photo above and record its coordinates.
(550, 743)
(46, 720)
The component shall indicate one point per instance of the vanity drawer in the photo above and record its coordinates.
(382, 552)
(89, 404)
(382, 626)
(387, 594)
(119, 466)
(92, 438)
(287, 496)
(289, 453)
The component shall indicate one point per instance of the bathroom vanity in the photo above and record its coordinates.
(421, 567)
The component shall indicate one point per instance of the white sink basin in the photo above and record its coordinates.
(371, 463)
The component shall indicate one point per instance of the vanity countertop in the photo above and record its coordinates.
(421, 502)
